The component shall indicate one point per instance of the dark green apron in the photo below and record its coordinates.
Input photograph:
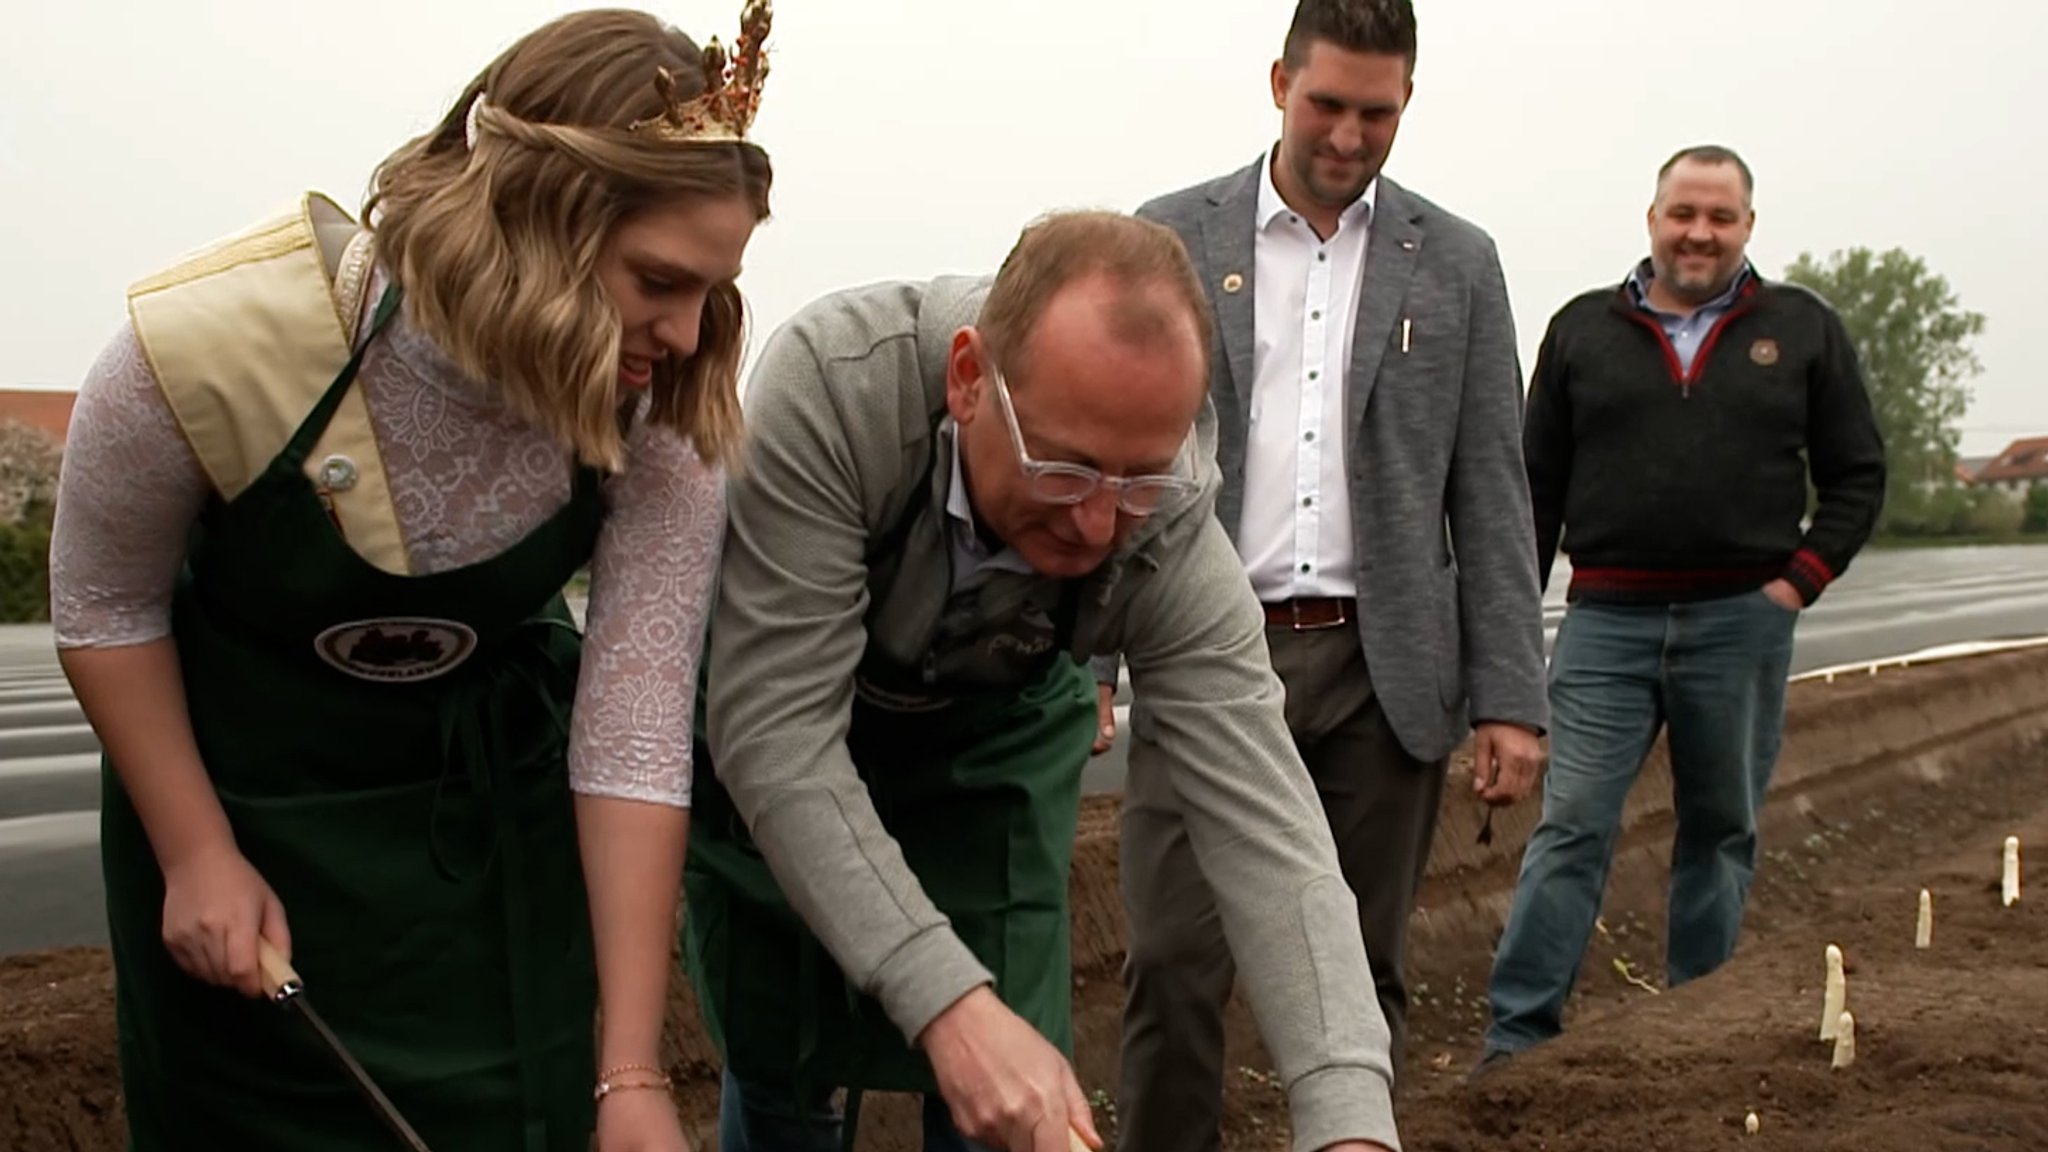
(391, 753)
(977, 776)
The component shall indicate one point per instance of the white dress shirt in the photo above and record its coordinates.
(1295, 535)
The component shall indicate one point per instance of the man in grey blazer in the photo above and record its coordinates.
(954, 493)
(1368, 396)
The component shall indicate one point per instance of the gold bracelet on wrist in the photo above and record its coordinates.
(608, 1080)
(607, 1087)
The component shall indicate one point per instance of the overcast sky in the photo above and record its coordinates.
(913, 137)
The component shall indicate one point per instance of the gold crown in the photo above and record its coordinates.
(732, 87)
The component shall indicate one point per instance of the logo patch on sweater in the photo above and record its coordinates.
(1764, 352)
(398, 650)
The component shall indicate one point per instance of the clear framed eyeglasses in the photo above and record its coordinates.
(1058, 482)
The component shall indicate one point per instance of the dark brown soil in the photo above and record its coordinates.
(59, 1085)
(1952, 1042)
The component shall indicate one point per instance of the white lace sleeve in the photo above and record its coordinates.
(650, 584)
(127, 494)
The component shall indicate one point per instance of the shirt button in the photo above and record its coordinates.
(1321, 256)
(1308, 435)
(1313, 374)
(1304, 568)
(1315, 315)
(1308, 501)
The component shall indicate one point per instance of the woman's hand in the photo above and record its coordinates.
(215, 906)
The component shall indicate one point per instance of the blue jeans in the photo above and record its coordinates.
(754, 1117)
(1712, 673)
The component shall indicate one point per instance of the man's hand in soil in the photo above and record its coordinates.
(215, 905)
(1784, 595)
(1505, 758)
(1105, 715)
(1006, 1086)
(1356, 1146)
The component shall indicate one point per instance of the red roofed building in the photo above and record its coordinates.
(47, 411)
(2023, 464)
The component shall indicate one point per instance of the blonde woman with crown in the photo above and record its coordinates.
(322, 495)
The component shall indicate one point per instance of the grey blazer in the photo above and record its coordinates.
(1450, 612)
(844, 435)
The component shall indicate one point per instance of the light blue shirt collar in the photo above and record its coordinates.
(970, 554)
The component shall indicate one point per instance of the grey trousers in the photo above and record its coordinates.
(1382, 807)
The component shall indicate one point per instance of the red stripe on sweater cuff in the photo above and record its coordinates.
(1811, 566)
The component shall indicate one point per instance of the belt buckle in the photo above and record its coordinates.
(1295, 623)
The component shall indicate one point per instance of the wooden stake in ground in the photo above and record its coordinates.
(2012, 871)
(1923, 932)
(1836, 997)
(1845, 1041)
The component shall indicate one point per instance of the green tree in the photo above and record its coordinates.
(1992, 513)
(24, 572)
(1913, 338)
(29, 461)
(2035, 519)
(1936, 510)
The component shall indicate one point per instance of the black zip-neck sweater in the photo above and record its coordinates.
(1667, 485)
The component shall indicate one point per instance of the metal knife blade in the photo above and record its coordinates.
(382, 1103)
(287, 989)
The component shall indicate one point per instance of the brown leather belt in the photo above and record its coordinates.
(1312, 613)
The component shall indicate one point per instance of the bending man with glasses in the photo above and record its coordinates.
(952, 495)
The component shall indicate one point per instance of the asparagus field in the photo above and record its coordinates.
(1892, 785)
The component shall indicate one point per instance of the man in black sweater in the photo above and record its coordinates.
(1670, 430)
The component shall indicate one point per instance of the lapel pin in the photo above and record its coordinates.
(338, 473)
(1407, 245)
(1233, 282)
(1407, 328)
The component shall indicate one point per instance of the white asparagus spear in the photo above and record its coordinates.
(1845, 1042)
(1923, 931)
(2012, 871)
(1836, 997)
(1750, 1124)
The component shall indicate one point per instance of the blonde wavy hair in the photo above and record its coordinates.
(497, 244)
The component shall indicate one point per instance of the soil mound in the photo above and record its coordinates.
(1892, 784)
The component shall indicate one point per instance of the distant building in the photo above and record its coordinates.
(2023, 464)
(1968, 467)
(47, 411)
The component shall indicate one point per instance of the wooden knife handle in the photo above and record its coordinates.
(277, 971)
